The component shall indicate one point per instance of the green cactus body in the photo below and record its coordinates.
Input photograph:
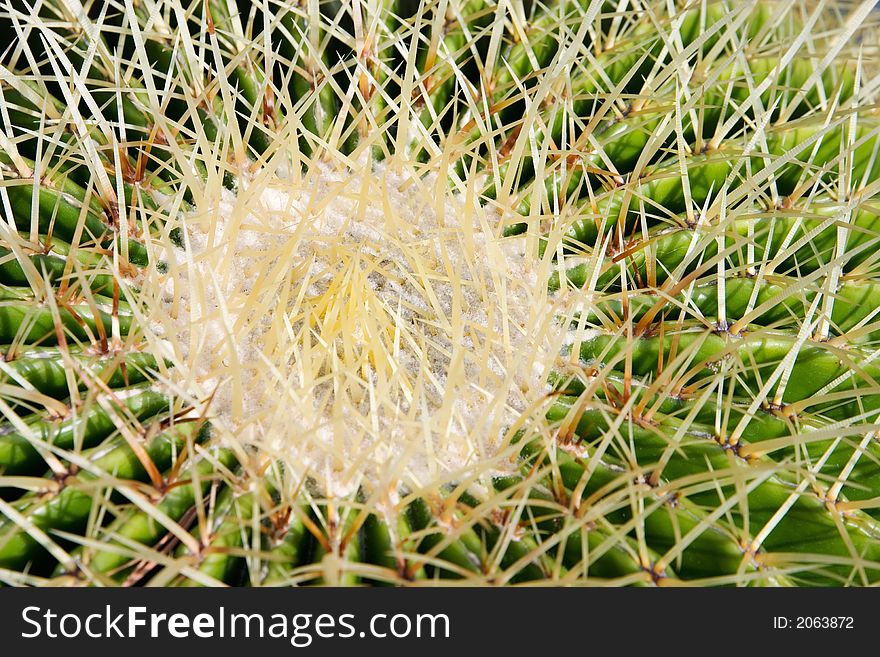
(421, 293)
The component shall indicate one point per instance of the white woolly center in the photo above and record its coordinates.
(365, 328)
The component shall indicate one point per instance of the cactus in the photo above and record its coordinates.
(403, 293)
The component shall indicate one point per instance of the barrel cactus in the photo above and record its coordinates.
(396, 292)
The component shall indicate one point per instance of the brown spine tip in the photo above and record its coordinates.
(269, 107)
(208, 18)
(112, 212)
(129, 173)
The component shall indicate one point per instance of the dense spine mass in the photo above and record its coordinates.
(699, 179)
